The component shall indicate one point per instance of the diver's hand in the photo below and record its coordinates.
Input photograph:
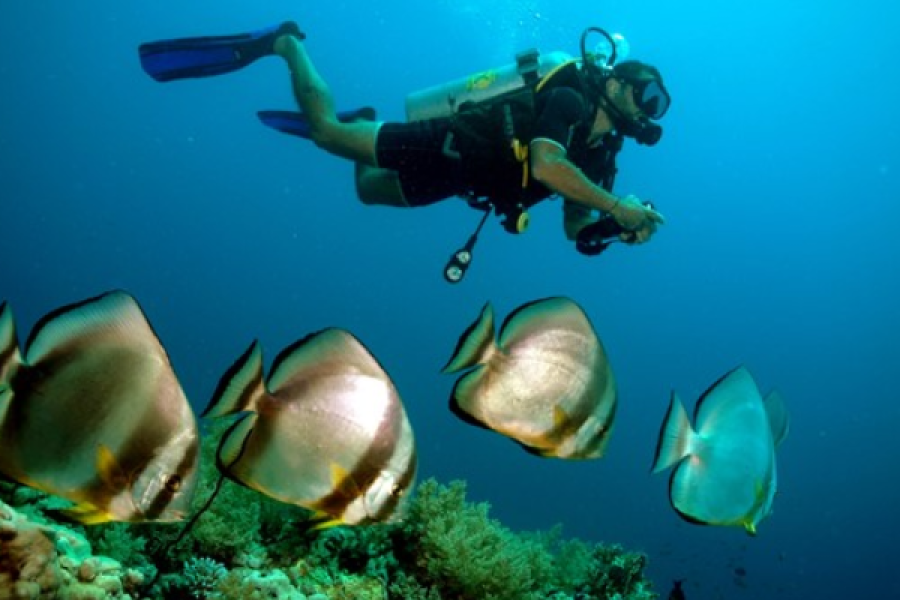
(637, 219)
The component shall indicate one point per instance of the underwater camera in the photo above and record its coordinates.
(593, 239)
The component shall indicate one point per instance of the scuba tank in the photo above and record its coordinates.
(445, 99)
(531, 66)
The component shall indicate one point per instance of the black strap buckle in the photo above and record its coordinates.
(528, 65)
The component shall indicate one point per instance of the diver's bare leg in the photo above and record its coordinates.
(356, 140)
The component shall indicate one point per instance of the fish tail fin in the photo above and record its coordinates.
(10, 356)
(674, 437)
(241, 386)
(474, 344)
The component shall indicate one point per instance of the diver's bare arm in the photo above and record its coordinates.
(550, 166)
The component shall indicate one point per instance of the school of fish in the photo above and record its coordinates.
(91, 410)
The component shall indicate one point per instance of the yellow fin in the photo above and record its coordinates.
(325, 521)
(760, 491)
(111, 473)
(560, 418)
(342, 481)
(87, 514)
(338, 475)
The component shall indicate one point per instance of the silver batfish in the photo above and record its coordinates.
(327, 431)
(726, 471)
(547, 383)
(94, 413)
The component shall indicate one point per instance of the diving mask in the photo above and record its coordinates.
(652, 99)
(650, 96)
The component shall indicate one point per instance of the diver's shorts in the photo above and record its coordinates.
(415, 151)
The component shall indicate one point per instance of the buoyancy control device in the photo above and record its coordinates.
(530, 70)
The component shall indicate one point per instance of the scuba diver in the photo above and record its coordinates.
(503, 140)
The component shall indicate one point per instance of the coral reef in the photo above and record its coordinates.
(49, 561)
(247, 546)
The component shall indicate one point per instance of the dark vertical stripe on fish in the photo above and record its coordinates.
(183, 471)
(369, 466)
(387, 510)
(147, 434)
(602, 435)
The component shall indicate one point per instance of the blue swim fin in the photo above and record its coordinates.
(183, 58)
(295, 123)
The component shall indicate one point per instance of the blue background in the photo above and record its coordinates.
(778, 173)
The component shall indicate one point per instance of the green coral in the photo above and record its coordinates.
(453, 549)
(123, 542)
(247, 584)
(202, 575)
(445, 548)
(241, 522)
(457, 548)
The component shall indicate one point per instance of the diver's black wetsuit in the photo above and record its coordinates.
(417, 151)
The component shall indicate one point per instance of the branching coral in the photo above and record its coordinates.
(457, 548)
(445, 548)
(201, 575)
(454, 548)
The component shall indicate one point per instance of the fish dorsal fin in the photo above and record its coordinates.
(241, 387)
(10, 357)
(114, 318)
(779, 420)
(675, 436)
(736, 385)
(474, 344)
(232, 446)
(532, 318)
(319, 353)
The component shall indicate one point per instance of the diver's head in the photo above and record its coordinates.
(634, 96)
(643, 88)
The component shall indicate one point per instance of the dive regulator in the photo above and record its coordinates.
(597, 68)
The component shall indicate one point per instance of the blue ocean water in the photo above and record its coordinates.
(778, 173)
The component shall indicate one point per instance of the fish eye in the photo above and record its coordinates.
(173, 484)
